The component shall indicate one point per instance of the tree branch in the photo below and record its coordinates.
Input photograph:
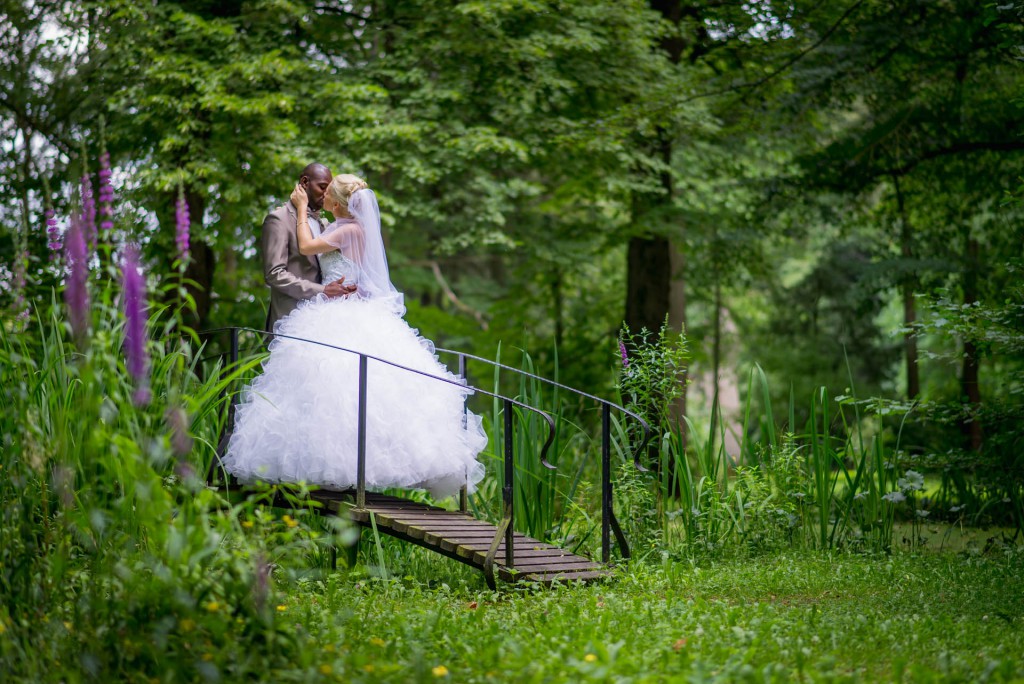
(956, 148)
(449, 294)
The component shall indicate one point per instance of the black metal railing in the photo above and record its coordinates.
(609, 523)
(505, 529)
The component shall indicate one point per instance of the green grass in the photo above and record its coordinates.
(801, 616)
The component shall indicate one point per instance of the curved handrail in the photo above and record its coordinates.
(505, 527)
(648, 433)
(609, 523)
(547, 418)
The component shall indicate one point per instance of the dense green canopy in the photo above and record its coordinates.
(787, 181)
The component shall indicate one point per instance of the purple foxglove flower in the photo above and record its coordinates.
(76, 292)
(134, 295)
(88, 211)
(182, 224)
(20, 281)
(52, 235)
(625, 356)
(106, 194)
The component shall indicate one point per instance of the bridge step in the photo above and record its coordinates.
(464, 538)
(458, 536)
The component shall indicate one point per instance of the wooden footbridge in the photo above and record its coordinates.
(496, 549)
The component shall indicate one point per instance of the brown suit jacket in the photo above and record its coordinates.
(291, 276)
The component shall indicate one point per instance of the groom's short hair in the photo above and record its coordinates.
(314, 169)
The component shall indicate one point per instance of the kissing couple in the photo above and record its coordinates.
(330, 285)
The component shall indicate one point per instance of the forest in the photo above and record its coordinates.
(787, 234)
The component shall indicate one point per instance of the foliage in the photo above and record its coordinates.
(653, 371)
(115, 559)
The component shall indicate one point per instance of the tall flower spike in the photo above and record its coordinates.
(622, 352)
(20, 283)
(106, 195)
(182, 225)
(76, 293)
(133, 294)
(88, 211)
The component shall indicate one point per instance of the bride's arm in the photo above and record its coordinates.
(308, 245)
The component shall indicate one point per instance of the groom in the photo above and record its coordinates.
(291, 276)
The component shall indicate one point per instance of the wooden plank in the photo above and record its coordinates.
(467, 550)
(462, 533)
(478, 555)
(423, 515)
(524, 543)
(532, 564)
(404, 510)
(405, 505)
(483, 543)
(455, 527)
(432, 520)
(452, 531)
(439, 533)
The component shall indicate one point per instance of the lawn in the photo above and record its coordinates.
(799, 616)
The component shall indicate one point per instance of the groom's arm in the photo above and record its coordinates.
(275, 262)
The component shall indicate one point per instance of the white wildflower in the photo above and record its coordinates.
(912, 481)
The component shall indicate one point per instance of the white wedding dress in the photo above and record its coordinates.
(297, 422)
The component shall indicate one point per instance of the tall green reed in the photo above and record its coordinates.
(823, 485)
(541, 497)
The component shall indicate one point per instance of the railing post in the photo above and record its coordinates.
(606, 481)
(234, 346)
(361, 437)
(463, 493)
(507, 491)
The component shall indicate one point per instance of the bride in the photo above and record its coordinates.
(297, 422)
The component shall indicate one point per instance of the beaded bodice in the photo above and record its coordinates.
(335, 265)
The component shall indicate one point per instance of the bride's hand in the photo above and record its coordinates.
(299, 198)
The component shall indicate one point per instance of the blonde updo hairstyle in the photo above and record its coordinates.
(342, 187)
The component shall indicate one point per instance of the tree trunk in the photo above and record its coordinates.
(648, 276)
(909, 307)
(201, 266)
(677, 321)
(970, 388)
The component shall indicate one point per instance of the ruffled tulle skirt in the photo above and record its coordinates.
(297, 422)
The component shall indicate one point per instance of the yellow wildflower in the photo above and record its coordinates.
(3, 628)
(281, 609)
(326, 669)
(187, 625)
(290, 521)
(377, 641)
(590, 658)
(67, 625)
(368, 668)
(212, 606)
(440, 671)
(329, 648)
(247, 524)
(207, 657)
